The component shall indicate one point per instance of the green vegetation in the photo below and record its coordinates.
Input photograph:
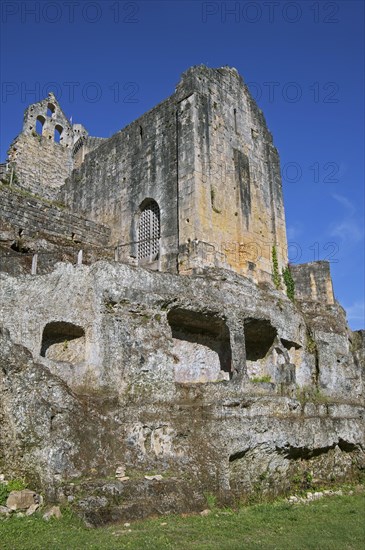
(260, 379)
(289, 283)
(329, 523)
(311, 394)
(302, 482)
(311, 345)
(275, 268)
(211, 501)
(286, 275)
(4, 492)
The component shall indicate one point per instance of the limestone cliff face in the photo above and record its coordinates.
(212, 382)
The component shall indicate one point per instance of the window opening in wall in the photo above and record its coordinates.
(149, 232)
(50, 109)
(39, 124)
(58, 134)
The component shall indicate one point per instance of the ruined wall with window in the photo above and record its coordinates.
(118, 178)
(149, 231)
(40, 158)
(206, 157)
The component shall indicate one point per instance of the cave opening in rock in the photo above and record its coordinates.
(259, 337)
(202, 349)
(63, 341)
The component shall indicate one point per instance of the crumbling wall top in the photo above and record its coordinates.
(313, 282)
(47, 118)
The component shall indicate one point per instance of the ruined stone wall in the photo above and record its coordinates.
(29, 215)
(3, 170)
(40, 165)
(206, 154)
(229, 179)
(136, 164)
(313, 282)
(40, 162)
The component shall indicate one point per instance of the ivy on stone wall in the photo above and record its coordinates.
(289, 283)
(275, 268)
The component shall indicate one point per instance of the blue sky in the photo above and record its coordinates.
(110, 61)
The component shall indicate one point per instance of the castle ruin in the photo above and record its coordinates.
(145, 323)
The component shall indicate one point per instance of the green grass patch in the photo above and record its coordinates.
(266, 378)
(330, 523)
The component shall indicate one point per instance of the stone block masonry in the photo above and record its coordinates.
(32, 215)
(313, 282)
(206, 157)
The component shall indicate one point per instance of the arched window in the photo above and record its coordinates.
(149, 231)
(50, 109)
(58, 134)
(39, 124)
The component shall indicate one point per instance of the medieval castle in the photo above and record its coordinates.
(145, 321)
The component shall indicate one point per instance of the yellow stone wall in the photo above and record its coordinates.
(230, 192)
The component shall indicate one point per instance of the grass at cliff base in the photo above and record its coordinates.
(330, 523)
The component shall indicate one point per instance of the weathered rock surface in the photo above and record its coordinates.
(53, 512)
(99, 387)
(22, 500)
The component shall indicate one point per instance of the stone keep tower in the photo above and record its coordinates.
(199, 173)
(193, 183)
(230, 195)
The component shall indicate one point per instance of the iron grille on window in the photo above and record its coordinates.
(149, 232)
